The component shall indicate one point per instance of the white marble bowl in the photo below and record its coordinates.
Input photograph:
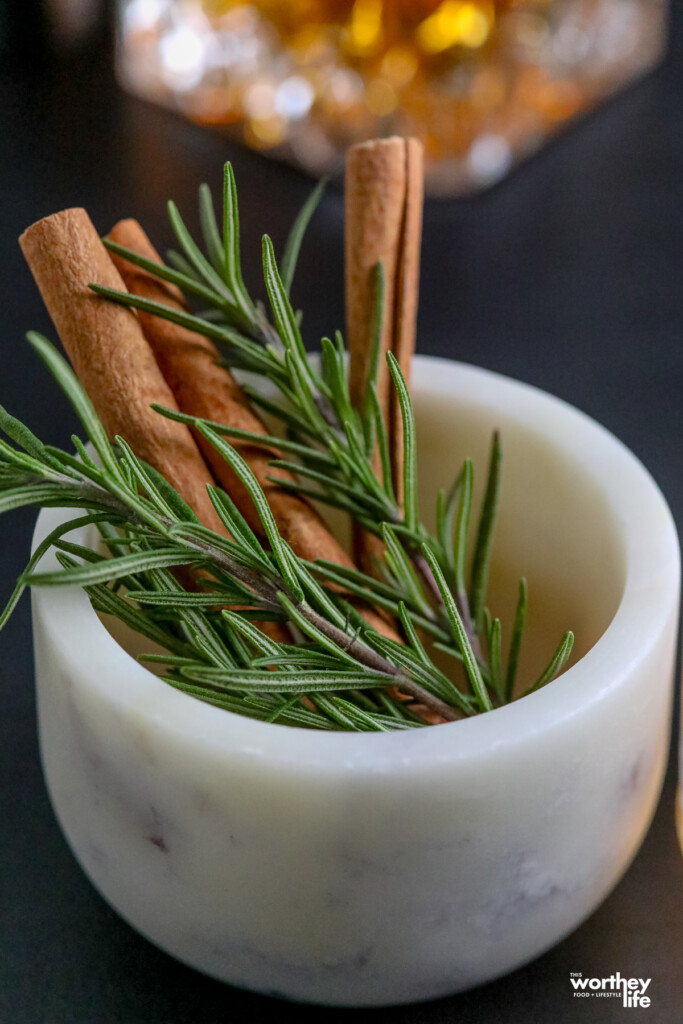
(369, 869)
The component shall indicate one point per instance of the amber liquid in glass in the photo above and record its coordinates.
(480, 82)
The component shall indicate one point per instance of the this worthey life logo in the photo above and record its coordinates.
(631, 990)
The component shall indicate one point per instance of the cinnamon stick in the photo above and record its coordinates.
(110, 354)
(203, 388)
(383, 195)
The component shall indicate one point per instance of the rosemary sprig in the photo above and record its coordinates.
(341, 673)
(206, 648)
(330, 441)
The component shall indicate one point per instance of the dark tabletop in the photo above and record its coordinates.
(568, 275)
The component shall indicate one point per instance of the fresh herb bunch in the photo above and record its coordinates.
(338, 672)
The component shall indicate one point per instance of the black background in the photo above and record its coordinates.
(568, 275)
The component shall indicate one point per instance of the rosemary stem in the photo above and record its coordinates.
(374, 661)
(463, 604)
(420, 563)
(263, 589)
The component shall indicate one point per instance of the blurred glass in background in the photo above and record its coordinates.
(481, 82)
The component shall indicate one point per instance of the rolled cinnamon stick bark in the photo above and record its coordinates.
(202, 387)
(383, 217)
(110, 353)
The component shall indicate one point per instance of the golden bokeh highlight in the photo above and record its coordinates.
(455, 24)
(480, 82)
